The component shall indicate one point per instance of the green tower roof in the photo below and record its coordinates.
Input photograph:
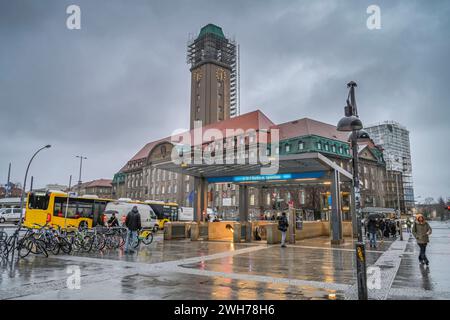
(211, 28)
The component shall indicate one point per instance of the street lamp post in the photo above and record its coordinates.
(351, 123)
(22, 197)
(81, 166)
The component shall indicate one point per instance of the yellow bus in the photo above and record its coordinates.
(52, 207)
(165, 211)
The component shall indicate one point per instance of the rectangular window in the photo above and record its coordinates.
(288, 148)
(319, 146)
(252, 199)
(301, 145)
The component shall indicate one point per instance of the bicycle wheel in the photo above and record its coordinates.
(55, 247)
(3, 237)
(99, 242)
(66, 247)
(24, 247)
(87, 243)
(77, 244)
(148, 239)
(42, 248)
(135, 243)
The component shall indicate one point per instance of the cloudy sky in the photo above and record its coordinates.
(122, 80)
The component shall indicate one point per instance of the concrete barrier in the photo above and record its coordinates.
(261, 224)
(219, 230)
(311, 229)
(176, 230)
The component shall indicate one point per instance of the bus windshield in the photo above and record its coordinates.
(38, 201)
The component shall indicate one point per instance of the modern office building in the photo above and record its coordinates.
(394, 139)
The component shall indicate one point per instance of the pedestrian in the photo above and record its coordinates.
(408, 225)
(283, 227)
(372, 228)
(393, 228)
(133, 224)
(421, 230)
(382, 227)
(113, 222)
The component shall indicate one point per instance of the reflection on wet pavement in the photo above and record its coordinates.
(417, 281)
(310, 269)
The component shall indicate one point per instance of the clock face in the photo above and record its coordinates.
(220, 74)
(197, 75)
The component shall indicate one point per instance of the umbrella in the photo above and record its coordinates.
(375, 215)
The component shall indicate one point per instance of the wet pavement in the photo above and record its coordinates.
(310, 269)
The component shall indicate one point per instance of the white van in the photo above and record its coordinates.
(148, 216)
(10, 215)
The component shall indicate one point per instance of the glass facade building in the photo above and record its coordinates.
(394, 139)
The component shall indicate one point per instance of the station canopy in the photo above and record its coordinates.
(297, 167)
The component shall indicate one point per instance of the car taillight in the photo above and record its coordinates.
(49, 217)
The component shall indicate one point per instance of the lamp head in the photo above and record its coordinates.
(363, 135)
(349, 123)
(48, 146)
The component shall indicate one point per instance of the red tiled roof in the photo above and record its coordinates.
(251, 120)
(99, 183)
(305, 126)
(143, 153)
(257, 120)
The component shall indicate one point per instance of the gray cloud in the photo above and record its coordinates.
(121, 81)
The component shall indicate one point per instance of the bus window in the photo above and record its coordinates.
(85, 208)
(99, 210)
(71, 209)
(158, 209)
(38, 201)
(58, 207)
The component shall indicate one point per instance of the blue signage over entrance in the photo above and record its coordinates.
(268, 177)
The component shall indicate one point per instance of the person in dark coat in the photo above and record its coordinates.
(283, 227)
(372, 228)
(421, 230)
(113, 222)
(133, 224)
(393, 226)
(382, 227)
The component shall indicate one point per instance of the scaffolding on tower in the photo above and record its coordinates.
(214, 47)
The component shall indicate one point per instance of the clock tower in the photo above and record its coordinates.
(213, 62)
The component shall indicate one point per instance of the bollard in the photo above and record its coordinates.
(236, 232)
(361, 270)
(194, 231)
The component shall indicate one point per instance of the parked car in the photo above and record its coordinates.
(9, 215)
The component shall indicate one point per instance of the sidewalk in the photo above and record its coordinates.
(310, 269)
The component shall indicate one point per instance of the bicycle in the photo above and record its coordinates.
(79, 240)
(145, 236)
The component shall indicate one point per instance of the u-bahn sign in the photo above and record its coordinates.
(269, 177)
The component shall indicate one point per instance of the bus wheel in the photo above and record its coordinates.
(155, 228)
